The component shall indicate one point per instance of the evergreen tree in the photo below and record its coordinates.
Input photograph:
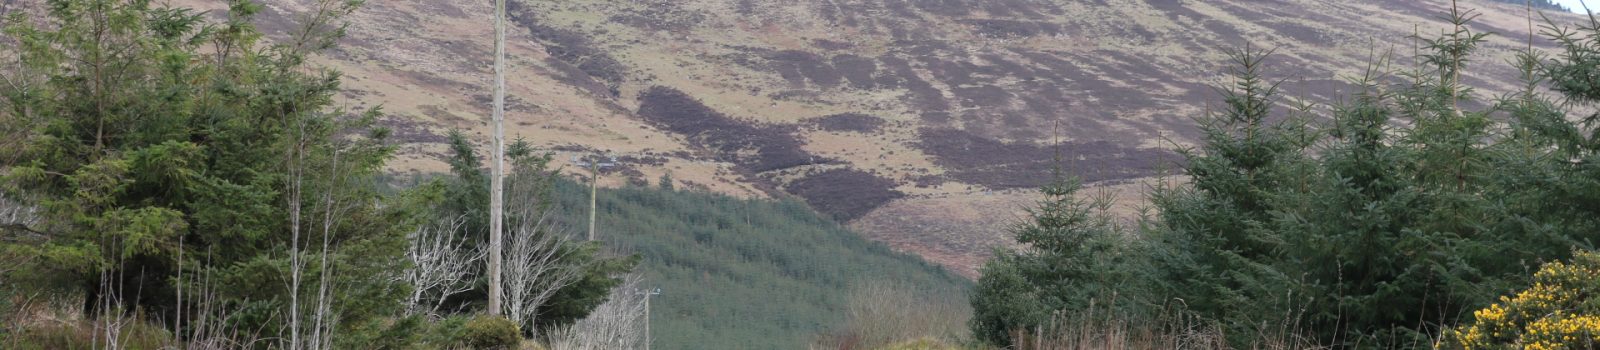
(164, 151)
(1408, 212)
(1073, 257)
(1219, 228)
(666, 182)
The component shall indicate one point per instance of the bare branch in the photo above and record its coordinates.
(442, 265)
(534, 268)
(18, 215)
(619, 323)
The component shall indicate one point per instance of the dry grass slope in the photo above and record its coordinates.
(1123, 78)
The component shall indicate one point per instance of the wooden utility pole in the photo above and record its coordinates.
(497, 180)
(647, 295)
(594, 185)
(594, 191)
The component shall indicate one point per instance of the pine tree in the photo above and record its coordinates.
(1073, 256)
(1219, 228)
(164, 150)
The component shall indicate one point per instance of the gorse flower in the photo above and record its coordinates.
(1560, 311)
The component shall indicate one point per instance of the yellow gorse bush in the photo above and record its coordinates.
(1561, 311)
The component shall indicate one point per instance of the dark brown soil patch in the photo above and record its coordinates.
(1319, 89)
(858, 70)
(948, 8)
(799, 66)
(900, 8)
(1226, 32)
(1002, 28)
(831, 45)
(1174, 9)
(745, 7)
(982, 96)
(844, 194)
(854, 122)
(951, 73)
(752, 146)
(975, 159)
(571, 47)
(575, 76)
(923, 96)
(408, 130)
(1300, 32)
(1008, 68)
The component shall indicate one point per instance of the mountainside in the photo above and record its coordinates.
(922, 123)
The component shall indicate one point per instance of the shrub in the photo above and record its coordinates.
(445, 333)
(491, 332)
(1560, 311)
(387, 333)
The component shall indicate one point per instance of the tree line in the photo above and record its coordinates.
(1380, 220)
(161, 167)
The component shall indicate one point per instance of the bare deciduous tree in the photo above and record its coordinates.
(442, 265)
(535, 268)
(619, 323)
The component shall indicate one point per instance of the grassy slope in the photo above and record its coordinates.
(738, 273)
(966, 91)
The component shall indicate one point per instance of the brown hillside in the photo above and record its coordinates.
(901, 116)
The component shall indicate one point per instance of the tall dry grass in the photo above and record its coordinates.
(1098, 329)
(36, 321)
(886, 316)
(879, 314)
(59, 323)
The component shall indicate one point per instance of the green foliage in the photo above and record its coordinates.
(1074, 258)
(158, 145)
(1375, 229)
(446, 333)
(65, 335)
(1005, 301)
(388, 334)
(666, 183)
(1218, 244)
(491, 332)
(741, 273)
(529, 196)
(1379, 233)
(1559, 311)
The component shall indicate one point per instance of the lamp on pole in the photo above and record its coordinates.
(594, 181)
